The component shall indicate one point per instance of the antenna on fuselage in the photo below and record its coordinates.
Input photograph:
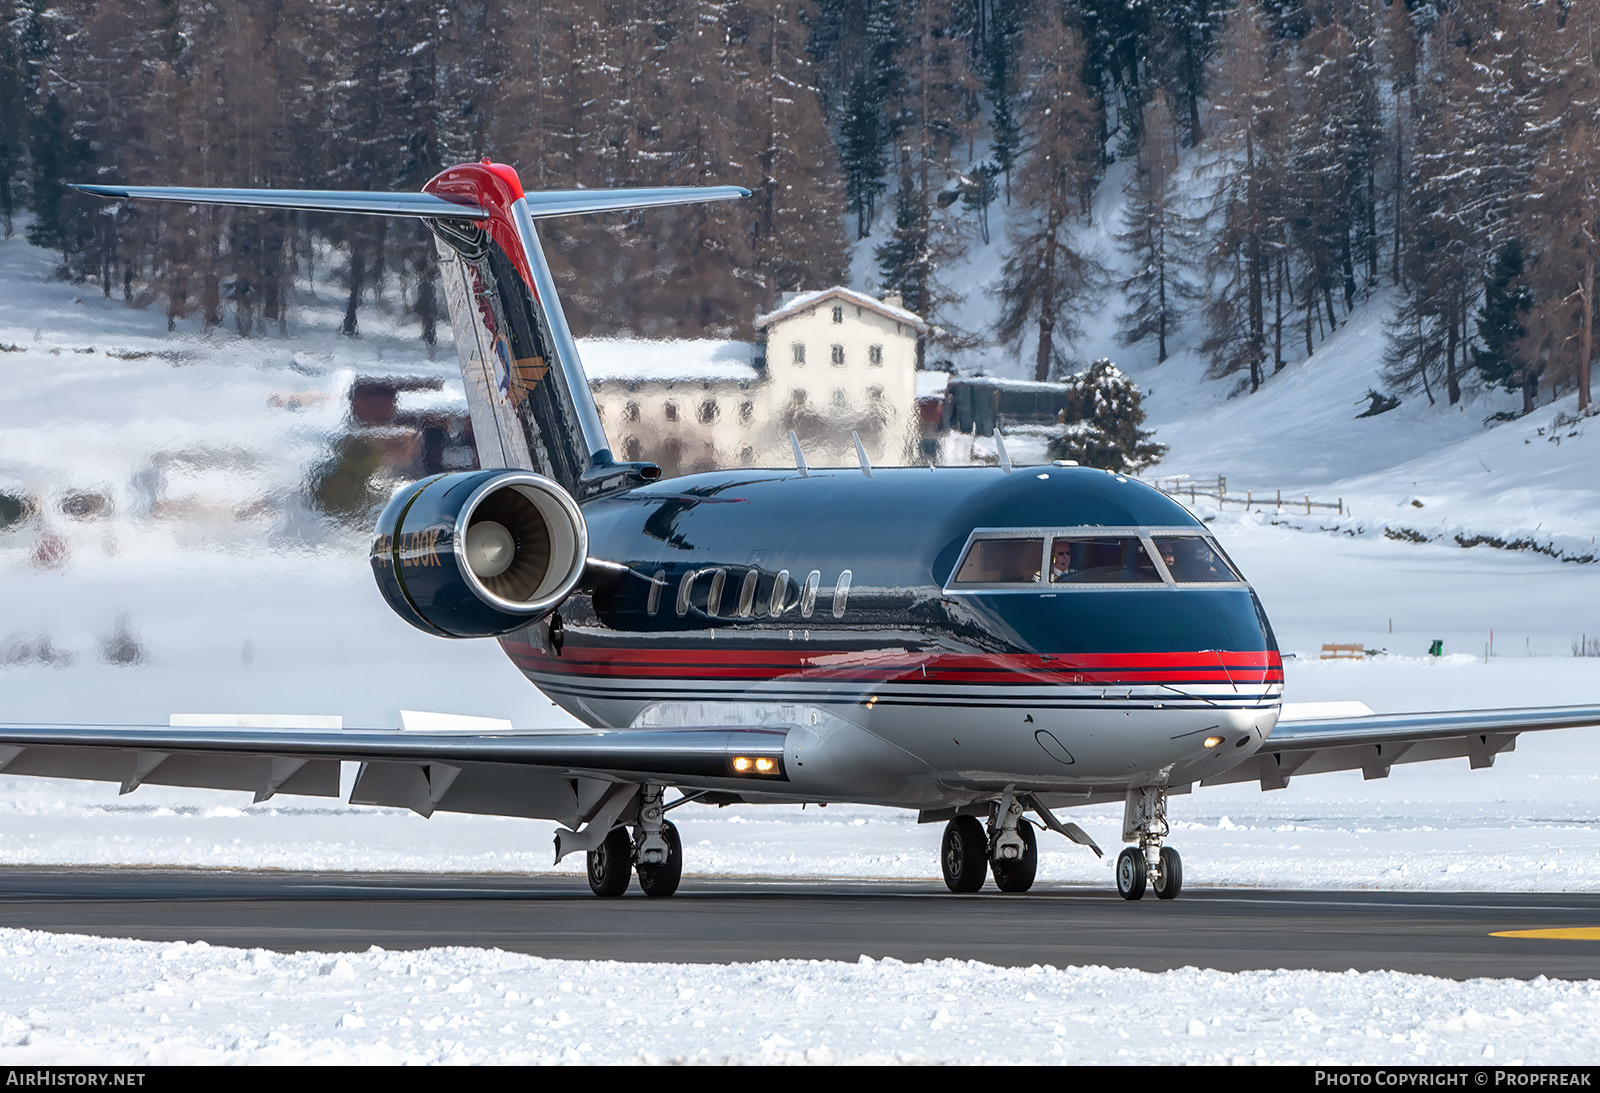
(799, 458)
(861, 454)
(1000, 446)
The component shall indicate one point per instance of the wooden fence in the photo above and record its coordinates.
(1181, 486)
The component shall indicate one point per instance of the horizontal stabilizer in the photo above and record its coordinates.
(323, 201)
(541, 204)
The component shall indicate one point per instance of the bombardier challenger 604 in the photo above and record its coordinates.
(978, 644)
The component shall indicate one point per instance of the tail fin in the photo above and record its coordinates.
(526, 389)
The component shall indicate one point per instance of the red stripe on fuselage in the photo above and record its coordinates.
(1222, 666)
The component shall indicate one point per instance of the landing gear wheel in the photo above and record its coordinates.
(661, 878)
(964, 854)
(1016, 874)
(1131, 873)
(1170, 880)
(611, 864)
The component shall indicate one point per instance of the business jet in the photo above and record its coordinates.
(977, 644)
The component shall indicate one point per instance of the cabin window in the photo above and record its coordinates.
(780, 594)
(799, 350)
(838, 355)
(841, 593)
(1120, 559)
(1192, 559)
(657, 583)
(685, 586)
(808, 594)
(747, 594)
(1002, 561)
(838, 314)
(874, 354)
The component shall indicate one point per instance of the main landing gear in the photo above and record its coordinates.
(655, 852)
(1007, 847)
(1144, 821)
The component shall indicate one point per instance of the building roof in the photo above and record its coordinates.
(807, 300)
(622, 360)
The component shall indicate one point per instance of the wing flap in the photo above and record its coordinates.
(1373, 744)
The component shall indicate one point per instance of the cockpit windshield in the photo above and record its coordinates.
(1192, 559)
(1108, 560)
(1064, 558)
(1002, 561)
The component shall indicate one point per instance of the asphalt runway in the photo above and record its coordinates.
(717, 919)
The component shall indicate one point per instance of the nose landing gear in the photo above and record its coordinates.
(1144, 821)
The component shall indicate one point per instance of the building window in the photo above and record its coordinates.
(875, 394)
(840, 399)
(798, 396)
(838, 355)
(874, 354)
(630, 412)
(670, 411)
(838, 314)
(747, 412)
(709, 411)
(747, 456)
(799, 349)
(631, 450)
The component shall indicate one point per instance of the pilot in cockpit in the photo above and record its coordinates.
(1060, 560)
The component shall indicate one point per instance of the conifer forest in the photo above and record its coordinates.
(1284, 161)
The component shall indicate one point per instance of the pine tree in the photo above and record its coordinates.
(1160, 236)
(1246, 231)
(1102, 423)
(1500, 328)
(861, 152)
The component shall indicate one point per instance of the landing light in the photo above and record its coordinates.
(757, 765)
(1213, 741)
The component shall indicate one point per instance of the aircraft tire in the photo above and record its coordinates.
(964, 854)
(611, 864)
(1016, 874)
(1170, 882)
(661, 879)
(1131, 873)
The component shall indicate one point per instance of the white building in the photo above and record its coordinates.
(831, 362)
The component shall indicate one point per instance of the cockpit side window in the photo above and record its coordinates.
(1002, 561)
(1120, 559)
(1193, 559)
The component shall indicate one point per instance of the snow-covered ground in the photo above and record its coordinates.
(129, 1003)
(241, 603)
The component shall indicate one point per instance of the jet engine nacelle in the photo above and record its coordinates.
(479, 553)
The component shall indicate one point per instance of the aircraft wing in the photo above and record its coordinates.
(1374, 743)
(546, 775)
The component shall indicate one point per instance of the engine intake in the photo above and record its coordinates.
(479, 553)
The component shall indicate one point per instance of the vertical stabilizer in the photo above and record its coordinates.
(527, 393)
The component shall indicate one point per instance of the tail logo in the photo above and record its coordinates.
(516, 377)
